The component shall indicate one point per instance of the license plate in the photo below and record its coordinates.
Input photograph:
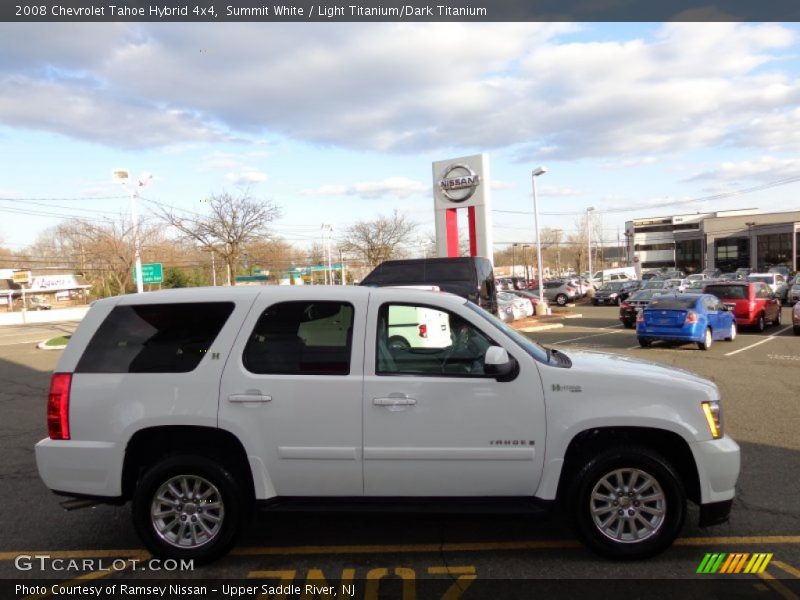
(662, 321)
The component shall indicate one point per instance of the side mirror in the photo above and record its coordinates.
(498, 364)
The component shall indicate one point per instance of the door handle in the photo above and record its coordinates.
(249, 398)
(394, 401)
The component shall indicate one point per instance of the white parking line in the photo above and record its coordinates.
(766, 339)
(609, 331)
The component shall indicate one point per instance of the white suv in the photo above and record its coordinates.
(196, 403)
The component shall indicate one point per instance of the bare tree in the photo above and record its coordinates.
(379, 240)
(232, 222)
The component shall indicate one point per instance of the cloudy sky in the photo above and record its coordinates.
(338, 122)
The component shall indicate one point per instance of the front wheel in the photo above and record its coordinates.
(761, 324)
(628, 503)
(188, 507)
(628, 324)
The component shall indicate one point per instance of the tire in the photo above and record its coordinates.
(166, 538)
(707, 340)
(628, 324)
(645, 342)
(561, 299)
(625, 536)
(732, 332)
(761, 324)
(796, 330)
(398, 342)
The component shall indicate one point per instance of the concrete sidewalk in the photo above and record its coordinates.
(543, 323)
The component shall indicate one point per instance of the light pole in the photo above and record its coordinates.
(122, 176)
(525, 260)
(327, 231)
(513, 258)
(541, 307)
(589, 243)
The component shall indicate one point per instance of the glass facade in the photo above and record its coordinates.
(732, 253)
(772, 250)
(689, 256)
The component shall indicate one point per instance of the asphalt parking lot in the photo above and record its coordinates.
(443, 555)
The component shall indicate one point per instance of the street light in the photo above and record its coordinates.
(123, 176)
(589, 243)
(327, 232)
(541, 307)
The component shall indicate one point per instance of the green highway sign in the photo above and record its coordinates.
(151, 273)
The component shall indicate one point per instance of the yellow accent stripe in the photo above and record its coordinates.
(778, 587)
(794, 572)
(409, 548)
(762, 567)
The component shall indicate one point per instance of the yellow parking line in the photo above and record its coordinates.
(787, 568)
(779, 588)
(411, 548)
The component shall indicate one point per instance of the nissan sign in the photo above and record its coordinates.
(459, 182)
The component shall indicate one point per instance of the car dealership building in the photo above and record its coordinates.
(725, 240)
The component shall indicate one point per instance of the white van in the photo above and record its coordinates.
(618, 274)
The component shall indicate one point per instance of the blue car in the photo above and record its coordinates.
(699, 318)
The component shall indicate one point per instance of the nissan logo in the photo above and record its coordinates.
(459, 182)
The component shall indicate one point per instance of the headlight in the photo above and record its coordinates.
(713, 414)
(612, 295)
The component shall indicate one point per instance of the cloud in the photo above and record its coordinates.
(246, 177)
(558, 191)
(407, 87)
(393, 187)
(765, 169)
(498, 185)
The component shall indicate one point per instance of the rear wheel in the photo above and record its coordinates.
(796, 330)
(761, 324)
(628, 503)
(561, 299)
(645, 342)
(731, 332)
(777, 320)
(190, 507)
(707, 340)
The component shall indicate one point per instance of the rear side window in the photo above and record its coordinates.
(728, 292)
(672, 303)
(154, 338)
(422, 272)
(301, 338)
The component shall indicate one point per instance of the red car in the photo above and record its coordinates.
(753, 303)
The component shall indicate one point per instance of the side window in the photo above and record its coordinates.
(154, 338)
(421, 340)
(301, 338)
(763, 291)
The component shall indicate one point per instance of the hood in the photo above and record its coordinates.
(603, 373)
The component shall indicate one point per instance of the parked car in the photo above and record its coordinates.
(523, 305)
(533, 297)
(699, 318)
(614, 292)
(712, 273)
(508, 310)
(409, 326)
(752, 302)
(558, 291)
(796, 318)
(616, 274)
(674, 274)
(38, 303)
(655, 283)
(629, 310)
(775, 281)
(731, 276)
(695, 286)
(782, 269)
(698, 277)
(198, 404)
(675, 285)
(794, 291)
(743, 272)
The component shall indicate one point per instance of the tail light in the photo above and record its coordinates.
(423, 331)
(640, 317)
(625, 305)
(691, 317)
(58, 406)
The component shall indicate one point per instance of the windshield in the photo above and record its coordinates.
(654, 284)
(616, 286)
(643, 295)
(672, 302)
(529, 346)
(728, 292)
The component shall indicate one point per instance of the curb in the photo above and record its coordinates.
(43, 346)
(573, 316)
(541, 327)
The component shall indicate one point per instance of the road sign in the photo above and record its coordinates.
(151, 273)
